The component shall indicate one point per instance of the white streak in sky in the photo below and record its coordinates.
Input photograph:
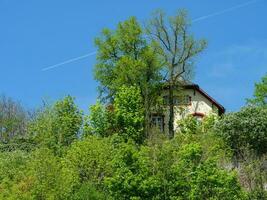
(193, 21)
(68, 61)
(225, 11)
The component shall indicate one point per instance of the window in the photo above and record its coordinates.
(183, 100)
(158, 121)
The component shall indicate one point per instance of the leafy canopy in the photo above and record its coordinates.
(57, 126)
(125, 58)
(260, 93)
(246, 128)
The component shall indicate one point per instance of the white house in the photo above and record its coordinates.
(194, 101)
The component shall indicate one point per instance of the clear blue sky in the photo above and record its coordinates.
(37, 34)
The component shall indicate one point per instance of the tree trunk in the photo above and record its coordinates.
(147, 114)
(171, 112)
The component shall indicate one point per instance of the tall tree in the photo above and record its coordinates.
(245, 129)
(57, 126)
(260, 93)
(126, 58)
(129, 115)
(177, 48)
(13, 119)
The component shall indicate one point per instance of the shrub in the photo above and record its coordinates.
(246, 128)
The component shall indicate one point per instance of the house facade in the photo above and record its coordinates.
(193, 101)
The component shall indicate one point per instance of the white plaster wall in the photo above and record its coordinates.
(199, 104)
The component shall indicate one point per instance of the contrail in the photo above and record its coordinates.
(68, 61)
(225, 11)
(193, 21)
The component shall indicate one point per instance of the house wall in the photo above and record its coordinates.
(199, 104)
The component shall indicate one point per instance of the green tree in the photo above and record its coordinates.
(89, 163)
(13, 119)
(260, 93)
(57, 126)
(44, 170)
(68, 121)
(87, 191)
(124, 117)
(38, 176)
(198, 178)
(125, 57)
(190, 125)
(12, 170)
(129, 113)
(100, 121)
(182, 168)
(246, 128)
(177, 47)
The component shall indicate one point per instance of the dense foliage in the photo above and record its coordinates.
(57, 126)
(260, 93)
(13, 119)
(245, 129)
(99, 166)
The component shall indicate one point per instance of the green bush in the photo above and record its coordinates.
(245, 129)
(175, 169)
(101, 120)
(57, 126)
(129, 114)
(87, 192)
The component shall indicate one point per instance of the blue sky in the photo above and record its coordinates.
(37, 34)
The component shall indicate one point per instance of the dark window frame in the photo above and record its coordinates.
(185, 100)
(155, 122)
